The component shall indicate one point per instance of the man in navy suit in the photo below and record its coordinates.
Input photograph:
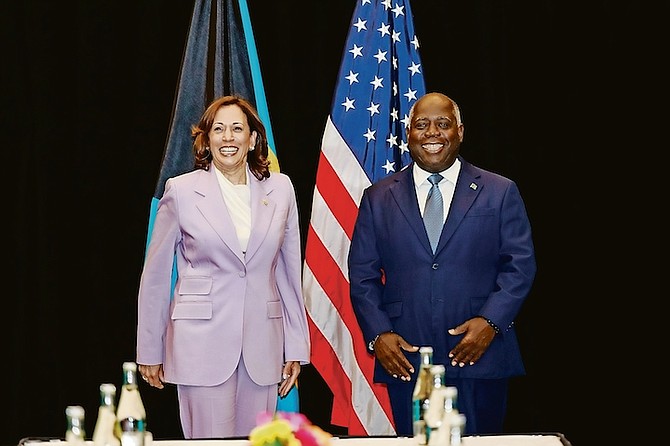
(460, 297)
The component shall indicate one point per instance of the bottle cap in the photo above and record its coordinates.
(74, 411)
(130, 365)
(437, 368)
(459, 420)
(107, 388)
(451, 391)
(426, 349)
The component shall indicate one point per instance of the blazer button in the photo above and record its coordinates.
(435, 265)
(242, 273)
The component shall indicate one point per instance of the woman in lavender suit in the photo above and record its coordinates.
(232, 333)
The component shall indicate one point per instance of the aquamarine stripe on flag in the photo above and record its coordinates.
(259, 90)
(220, 58)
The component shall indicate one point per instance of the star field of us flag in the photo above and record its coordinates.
(220, 58)
(364, 140)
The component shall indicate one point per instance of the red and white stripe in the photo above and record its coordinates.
(338, 349)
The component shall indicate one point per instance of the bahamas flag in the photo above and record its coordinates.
(220, 58)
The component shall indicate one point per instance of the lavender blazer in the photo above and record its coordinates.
(226, 305)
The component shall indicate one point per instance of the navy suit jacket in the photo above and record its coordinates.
(484, 265)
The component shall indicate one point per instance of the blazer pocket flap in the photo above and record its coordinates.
(192, 310)
(274, 309)
(195, 285)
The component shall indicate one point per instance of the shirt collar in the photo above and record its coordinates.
(451, 174)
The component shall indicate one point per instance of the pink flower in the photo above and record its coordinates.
(295, 419)
(298, 429)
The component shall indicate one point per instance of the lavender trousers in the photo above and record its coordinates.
(227, 410)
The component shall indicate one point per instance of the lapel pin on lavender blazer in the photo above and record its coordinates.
(265, 202)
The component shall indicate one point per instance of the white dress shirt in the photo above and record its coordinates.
(447, 185)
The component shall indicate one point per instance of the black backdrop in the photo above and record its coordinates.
(88, 89)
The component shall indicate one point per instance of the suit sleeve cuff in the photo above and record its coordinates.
(491, 323)
(371, 344)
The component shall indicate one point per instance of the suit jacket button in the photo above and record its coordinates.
(242, 274)
(435, 265)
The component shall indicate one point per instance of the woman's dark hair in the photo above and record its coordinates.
(257, 158)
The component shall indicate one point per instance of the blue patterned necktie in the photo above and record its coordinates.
(433, 214)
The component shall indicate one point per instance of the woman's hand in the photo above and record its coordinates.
(290, 374)
(152, 374)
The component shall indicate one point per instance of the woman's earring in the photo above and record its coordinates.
(251, 148)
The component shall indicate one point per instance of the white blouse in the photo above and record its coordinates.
(238, 201)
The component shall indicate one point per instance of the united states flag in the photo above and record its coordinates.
(364, 140)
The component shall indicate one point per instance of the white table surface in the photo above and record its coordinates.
(488, 440)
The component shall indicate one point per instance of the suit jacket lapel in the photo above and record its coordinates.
(404, 193)
(214, 210)
(262, 210)
(466, 190)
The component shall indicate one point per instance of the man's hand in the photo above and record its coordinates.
(478, 337)
(389, 349)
